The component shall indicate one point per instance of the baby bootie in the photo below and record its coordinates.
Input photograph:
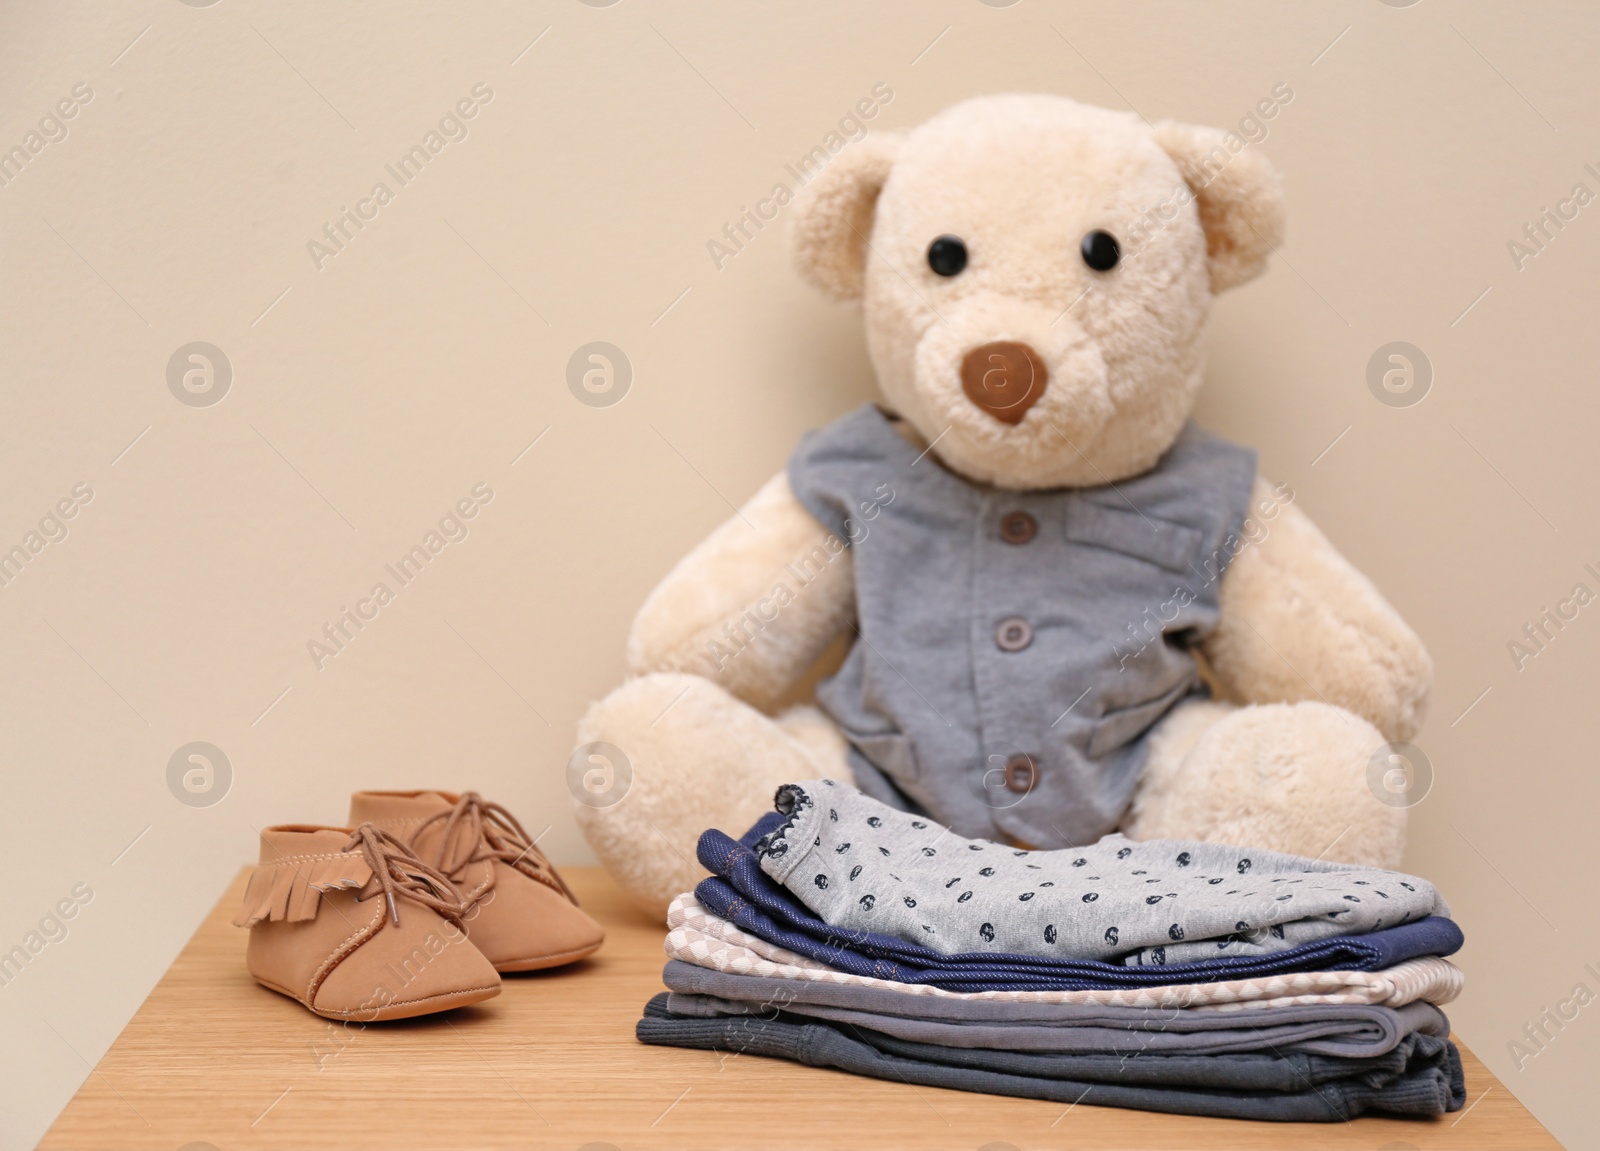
(519, 912)
(353, 926)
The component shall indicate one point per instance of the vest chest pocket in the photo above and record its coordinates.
(890, 752)
(1124, 725)
(1161, 542)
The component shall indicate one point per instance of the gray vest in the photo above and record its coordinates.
(1015, 648)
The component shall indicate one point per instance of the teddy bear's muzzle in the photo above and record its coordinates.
(1004, 378)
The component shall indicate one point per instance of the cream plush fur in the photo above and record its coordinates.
(1314, 670)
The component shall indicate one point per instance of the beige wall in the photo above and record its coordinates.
(371, 395)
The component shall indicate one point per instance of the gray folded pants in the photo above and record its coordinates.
(1346, 1030)
(1427, 1081)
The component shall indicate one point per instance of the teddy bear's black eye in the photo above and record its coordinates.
(1101, 251)
(947, 255)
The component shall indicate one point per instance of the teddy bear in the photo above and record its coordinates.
(1067, 609)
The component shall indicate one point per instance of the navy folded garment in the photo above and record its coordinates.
(743, 894)
(1428, 1082)
(1290, 1072)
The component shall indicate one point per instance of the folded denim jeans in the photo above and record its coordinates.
(1290, 1072)
(1266, 1070)
(1429, 1082)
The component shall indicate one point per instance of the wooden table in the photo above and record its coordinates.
(213, 1061)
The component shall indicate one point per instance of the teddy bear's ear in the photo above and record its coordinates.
(1238, 195)
(833, 216)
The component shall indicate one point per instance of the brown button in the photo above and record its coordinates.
(1018, 528)
(1020, 774)
(1004, 378)
(1013, 634)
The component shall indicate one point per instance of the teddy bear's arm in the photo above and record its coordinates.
(1300, 623)
(753, 605)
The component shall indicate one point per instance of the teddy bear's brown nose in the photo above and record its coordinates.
(1004, 378)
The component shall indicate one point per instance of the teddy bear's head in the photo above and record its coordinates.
(1036, 275)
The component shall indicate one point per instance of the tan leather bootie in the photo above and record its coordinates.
(520, 913)
(354, 926)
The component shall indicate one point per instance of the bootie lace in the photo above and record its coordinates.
(397, 871)
(490, 833)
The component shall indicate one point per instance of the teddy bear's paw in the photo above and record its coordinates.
(681, 755)
(1285, 777)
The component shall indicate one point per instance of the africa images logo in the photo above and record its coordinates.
(451, 128)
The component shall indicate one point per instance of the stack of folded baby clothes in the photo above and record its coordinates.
(1162, 975)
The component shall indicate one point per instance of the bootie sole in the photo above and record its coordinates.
(540, 962)
(404, 1009)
